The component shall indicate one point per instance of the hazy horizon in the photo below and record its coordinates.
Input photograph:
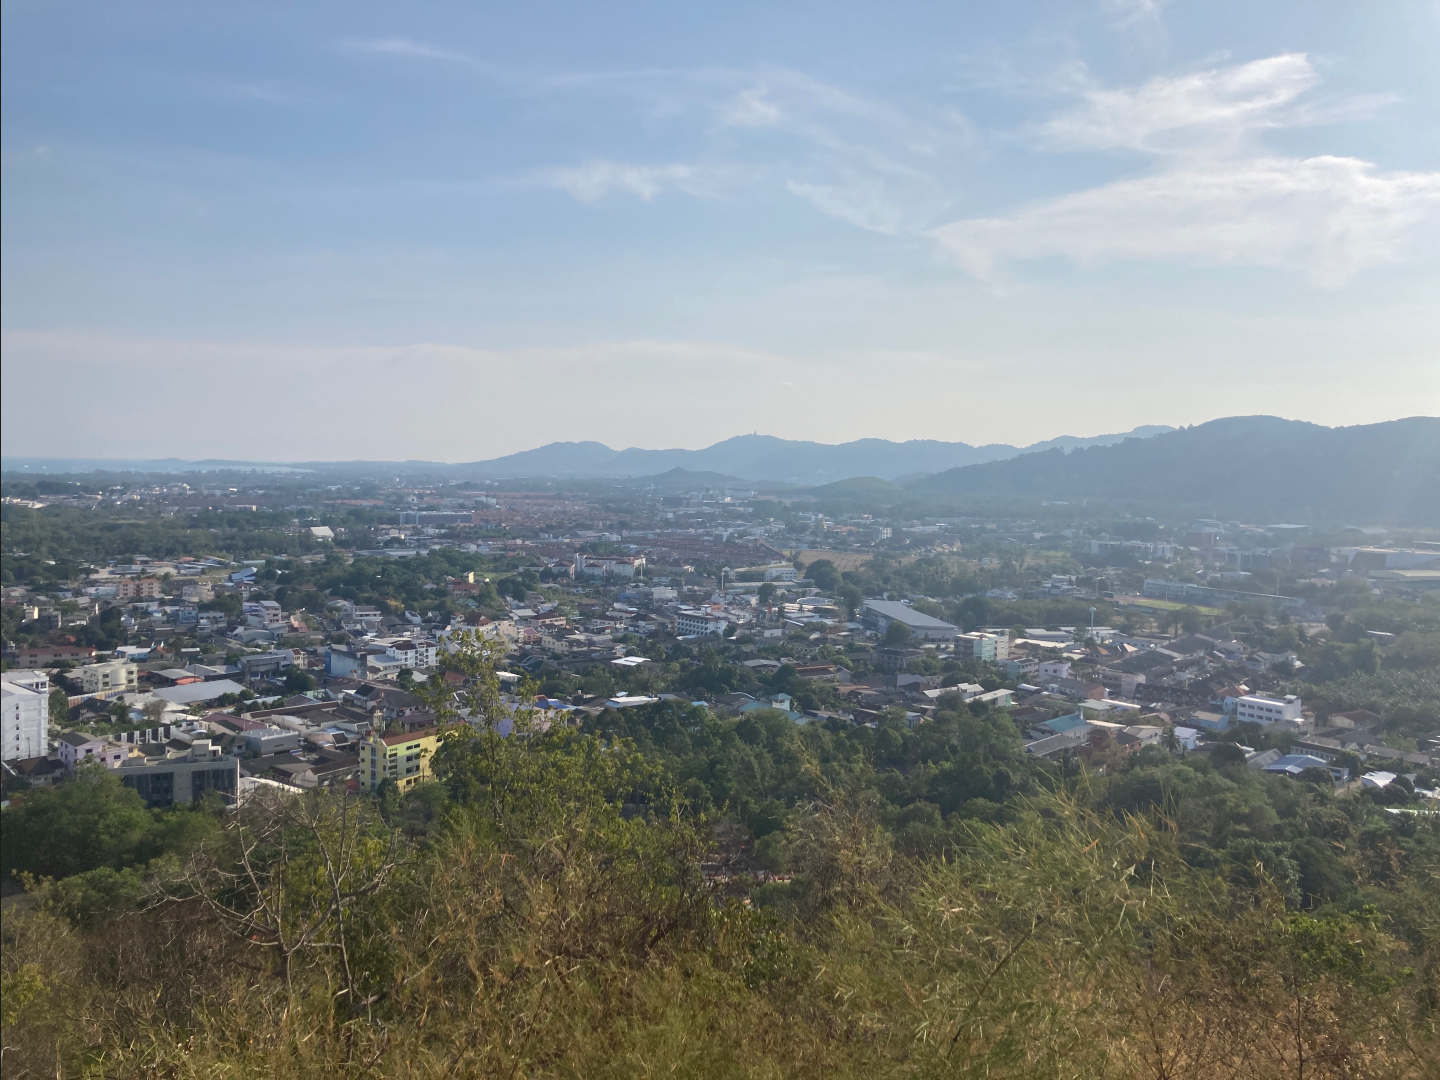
(618, 447)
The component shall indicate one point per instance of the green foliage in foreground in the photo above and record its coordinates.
(943, 907)
(540, 912)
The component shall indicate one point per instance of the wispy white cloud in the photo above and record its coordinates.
(1215, 196)
(749, 108)
(860, 160)
(595, 180)
(1327, 218)
(1129, 14)
(1217, 104)
(1143, 21)
(861, 201)
(400, 46)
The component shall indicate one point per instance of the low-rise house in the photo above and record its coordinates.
(627, 701)
(386, 702)
(967, 691)
(831, 673)
(174, 676)
(1077, 690)
(1143, 734)
(76, 748)
(1355, 720)
(1295, 764)
(998, 699)
(336, 770)
(1187, 737)
(263, 740)
(1230, 650)
(38, 772)
(1053, 745)
(1060, 725)
(1256, 760)
(291, 771)
(781, 702)
(916, 684)
(1022, 667)
(1209, 720)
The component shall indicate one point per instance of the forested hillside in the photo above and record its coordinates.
(1259, 466)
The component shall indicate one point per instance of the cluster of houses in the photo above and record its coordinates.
(1072, 690)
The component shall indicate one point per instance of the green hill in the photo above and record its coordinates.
(1259, 466)
(856, 486)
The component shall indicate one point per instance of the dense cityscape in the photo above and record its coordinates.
(280, 643)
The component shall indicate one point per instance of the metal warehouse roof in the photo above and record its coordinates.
(904, 613)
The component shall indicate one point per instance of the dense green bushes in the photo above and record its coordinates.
(549, 919)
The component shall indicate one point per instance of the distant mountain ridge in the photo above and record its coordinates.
(767, 457)
(1260, 465)
(749, 457)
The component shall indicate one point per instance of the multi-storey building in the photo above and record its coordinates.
(26, 715)
(264, 614)
(1256, 709)
(145, 588)
(992, 647)
(689, 623)
(402, 758)
(108, 676)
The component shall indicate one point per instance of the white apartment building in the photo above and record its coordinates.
(1264, 710)
(414, 653)
(264, 614)
(617, 566)
(689, 623)
(26, 713)
(197, 592)
(992, 647)
(1054, 669)
(108, 676)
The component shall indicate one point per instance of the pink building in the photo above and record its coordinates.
(76, 748)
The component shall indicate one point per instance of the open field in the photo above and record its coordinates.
(1163, 605)
(843, 560)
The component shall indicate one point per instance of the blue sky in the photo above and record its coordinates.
(454, 231)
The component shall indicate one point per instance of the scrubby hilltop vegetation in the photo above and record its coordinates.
(593, 902)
